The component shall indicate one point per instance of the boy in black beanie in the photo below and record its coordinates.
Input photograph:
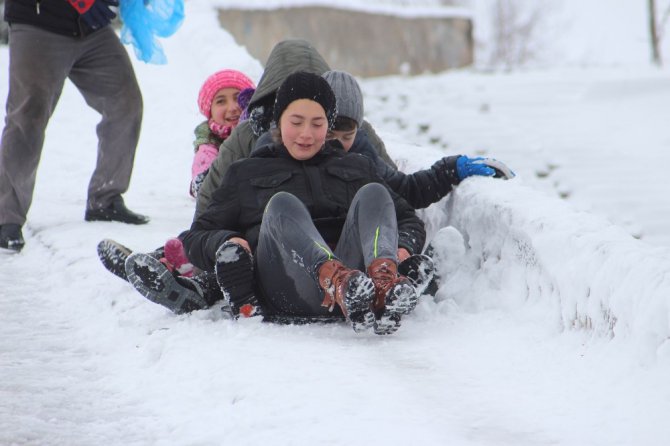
(421, 188)
(303, 231)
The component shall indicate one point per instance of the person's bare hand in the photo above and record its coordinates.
(242, 242)
(402, 254)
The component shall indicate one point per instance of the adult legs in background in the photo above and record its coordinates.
(104, 75)
(98, 65)
(39, 62)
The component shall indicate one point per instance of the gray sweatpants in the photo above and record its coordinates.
(291, 250)
(98, 65)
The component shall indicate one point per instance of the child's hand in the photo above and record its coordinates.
(467, 167)
(242, 242)
(402, 254)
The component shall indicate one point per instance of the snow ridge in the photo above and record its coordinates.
(522, 246)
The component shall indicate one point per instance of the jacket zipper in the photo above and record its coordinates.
(308, 181)
(37, 7)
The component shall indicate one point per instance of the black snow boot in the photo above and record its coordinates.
(11, 237)
(113, 256)
(154, 281)
(434, 283)
(419, 269)
(235, 275)
(204, 284)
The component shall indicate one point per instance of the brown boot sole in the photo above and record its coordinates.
(400, 300)
(358, 299)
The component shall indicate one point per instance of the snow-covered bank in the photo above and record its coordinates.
(523, 246)
(508, 245)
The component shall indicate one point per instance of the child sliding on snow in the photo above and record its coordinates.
(301, 231)
(222, 99)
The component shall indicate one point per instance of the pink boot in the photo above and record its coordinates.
(176, 256)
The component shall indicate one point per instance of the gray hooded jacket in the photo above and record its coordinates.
(287, 57)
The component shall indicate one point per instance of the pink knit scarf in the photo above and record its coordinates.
(222, 131)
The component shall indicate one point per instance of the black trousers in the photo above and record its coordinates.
(291, 250)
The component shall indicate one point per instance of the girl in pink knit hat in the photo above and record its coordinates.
(218, 101)
(222, 99)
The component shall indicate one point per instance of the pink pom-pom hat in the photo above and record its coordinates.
(217, 81)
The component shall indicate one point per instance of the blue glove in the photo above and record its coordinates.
(467, 167)
(100, 14)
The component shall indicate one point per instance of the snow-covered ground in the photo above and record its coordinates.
(597, 137)
(551, 326)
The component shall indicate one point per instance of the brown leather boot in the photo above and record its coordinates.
(394, 295)
(352, 290)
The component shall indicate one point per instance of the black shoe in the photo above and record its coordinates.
(117, 211)
(113, 256)
(154, 281)
(11, 237)
(204, 284)
(419, 269)
(434, 284)
(235, 274)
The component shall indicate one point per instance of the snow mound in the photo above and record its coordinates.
(519, 246)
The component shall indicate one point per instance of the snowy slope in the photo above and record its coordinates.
(598, 137)
(551, 326)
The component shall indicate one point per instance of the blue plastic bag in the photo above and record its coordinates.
(144, 20)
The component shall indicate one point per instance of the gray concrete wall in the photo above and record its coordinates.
(361, 43)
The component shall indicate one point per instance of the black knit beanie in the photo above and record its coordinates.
(303, 85)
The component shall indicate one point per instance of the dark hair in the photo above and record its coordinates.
(344, 124)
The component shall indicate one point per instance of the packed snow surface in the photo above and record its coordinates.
(551, 325)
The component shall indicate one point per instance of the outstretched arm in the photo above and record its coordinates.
(429, 186)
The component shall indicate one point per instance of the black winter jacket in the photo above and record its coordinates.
(421, 188)
(56, 16)
(326, 184)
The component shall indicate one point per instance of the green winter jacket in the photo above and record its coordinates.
(287, 57)
(204, 135)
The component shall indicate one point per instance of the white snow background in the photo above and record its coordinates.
(551, 326)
